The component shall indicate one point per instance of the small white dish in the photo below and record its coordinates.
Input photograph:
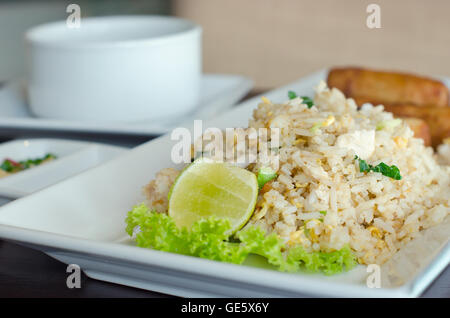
(81, 221)
(116, 68)
(218, 93)
(73, 157)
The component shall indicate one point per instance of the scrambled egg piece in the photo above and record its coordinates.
(401, 142)
(295, 237)
(362, 142)
(261, 212)
(375, 231)
(280, 121)
(330, 119)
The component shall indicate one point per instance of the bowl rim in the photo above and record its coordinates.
(36, 35)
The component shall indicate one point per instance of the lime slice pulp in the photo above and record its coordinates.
(206, 189)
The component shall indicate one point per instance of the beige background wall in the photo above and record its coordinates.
(277, 41)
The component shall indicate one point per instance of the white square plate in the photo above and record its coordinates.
(81, 221)
(73, 157)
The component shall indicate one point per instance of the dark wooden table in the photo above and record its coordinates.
(29, 273)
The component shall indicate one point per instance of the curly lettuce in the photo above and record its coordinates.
(208, 238)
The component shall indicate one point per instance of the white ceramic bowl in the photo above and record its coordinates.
(122, 68)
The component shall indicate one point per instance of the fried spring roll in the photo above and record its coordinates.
(420, 129)
(378, 87)
(437, 118)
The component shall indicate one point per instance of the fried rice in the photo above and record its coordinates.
(320, 199)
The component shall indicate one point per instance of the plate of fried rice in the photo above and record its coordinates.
(353, 206)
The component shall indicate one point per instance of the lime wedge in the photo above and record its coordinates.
(207, 188)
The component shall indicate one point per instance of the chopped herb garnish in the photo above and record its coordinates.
(363, 166)
(7, 165)
(388, 171)
(388, 124)
(292, 95)
(323, 212)
(265, 175)
(12, 166)
(306, 100)
(315, 127)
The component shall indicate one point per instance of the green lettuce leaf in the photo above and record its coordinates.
(328, 263)
(207, 238)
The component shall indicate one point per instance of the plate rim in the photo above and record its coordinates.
(195, 265)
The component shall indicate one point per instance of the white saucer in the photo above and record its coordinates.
(219, 92)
